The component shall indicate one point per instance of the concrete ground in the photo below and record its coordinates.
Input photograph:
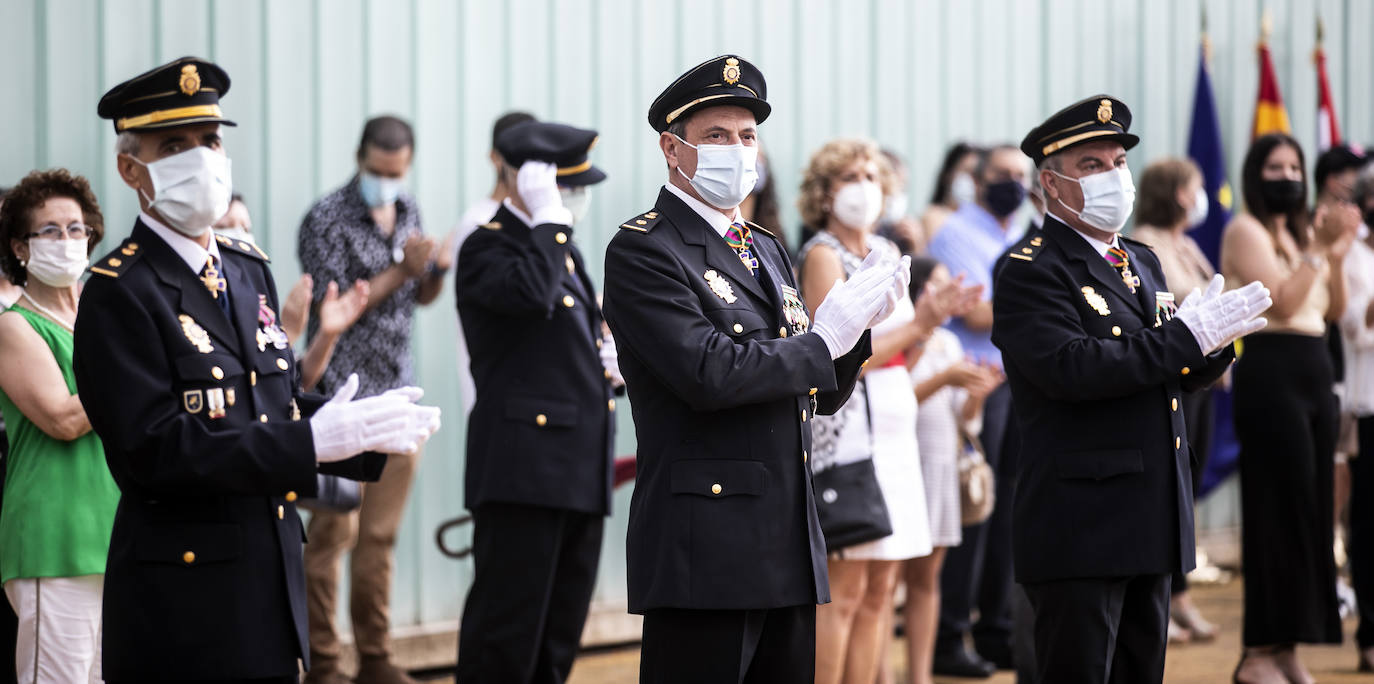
(1210, 663)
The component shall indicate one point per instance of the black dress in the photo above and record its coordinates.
(1286, 421)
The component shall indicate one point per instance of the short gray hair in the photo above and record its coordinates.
(1364, 185)
(128, 143)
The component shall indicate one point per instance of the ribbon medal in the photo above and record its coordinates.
(1164, 307)
(268, 330)
(794, 311)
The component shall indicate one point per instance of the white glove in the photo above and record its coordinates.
(851, 306)
(900, 282)
(537, 184)
(390, 423)
(610, 360)
(1216, 318)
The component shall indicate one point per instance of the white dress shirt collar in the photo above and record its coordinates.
(710, 214)
(189, 250)
(1097, 244)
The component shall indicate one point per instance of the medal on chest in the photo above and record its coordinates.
(269, 331)
(195, 334)
(720, 286)
(1164, 308)
(1096, 301)
(794, 311)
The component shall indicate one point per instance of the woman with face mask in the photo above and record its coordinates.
(953, 186)
(1285, 412)
(842, 194)
(59, 498)
(1172, 202)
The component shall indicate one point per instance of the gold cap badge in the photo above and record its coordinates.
(731, 71)
(1104, 111)
(190, 80)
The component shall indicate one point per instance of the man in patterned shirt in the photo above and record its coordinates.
(368, 229)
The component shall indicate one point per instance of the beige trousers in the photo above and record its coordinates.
(370, 534)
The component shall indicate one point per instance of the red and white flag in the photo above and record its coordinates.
(1328, 131)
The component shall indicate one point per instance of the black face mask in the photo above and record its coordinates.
(1282, 196)
(1004, 197)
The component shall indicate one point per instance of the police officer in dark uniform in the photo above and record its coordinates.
(538, 477)
(1098, 356)
(724, 370)
(191, 385)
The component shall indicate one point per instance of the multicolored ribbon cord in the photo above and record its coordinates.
(739, 237)
(1121, 261)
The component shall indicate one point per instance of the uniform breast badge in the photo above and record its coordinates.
(196, 334)
(794, 311)
(214, 402)
(1096, 301)
(720, 286)
(268, 329)
(192, 400)
(1164, 307)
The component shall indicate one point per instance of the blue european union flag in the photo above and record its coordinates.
(1204, 147)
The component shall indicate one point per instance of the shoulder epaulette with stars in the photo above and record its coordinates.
(242, 247)
(644, 222)
(1027, 249)
(112, 265)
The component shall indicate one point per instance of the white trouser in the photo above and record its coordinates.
(59, 628)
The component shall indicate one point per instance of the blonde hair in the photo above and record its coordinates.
(826, 164)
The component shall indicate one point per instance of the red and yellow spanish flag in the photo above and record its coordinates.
(1270, 115)
(1328, 131)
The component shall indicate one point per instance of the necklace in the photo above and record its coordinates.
(48, 312)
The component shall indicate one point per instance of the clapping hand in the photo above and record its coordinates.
(339, 312)
(419, 250)
(939, 302)
(390, 423)
(1216, 318)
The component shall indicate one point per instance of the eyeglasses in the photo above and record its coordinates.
(74, 231)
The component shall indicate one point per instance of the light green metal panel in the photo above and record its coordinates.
(915, 75)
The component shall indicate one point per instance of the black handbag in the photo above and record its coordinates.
(849, 501)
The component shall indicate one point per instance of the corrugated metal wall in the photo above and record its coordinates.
(916, 75)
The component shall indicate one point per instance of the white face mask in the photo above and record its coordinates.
(895, 209)
(237, 234)
(1198, 213)
(963, 190)
(577, 201)
(191, 190)
(725, 173)
(1108, 198)
(858, 205)
(57, 263)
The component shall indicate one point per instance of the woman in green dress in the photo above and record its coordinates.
(59, 499)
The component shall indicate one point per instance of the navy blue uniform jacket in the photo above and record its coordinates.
(1105, 488)
(543, 426)
(723, 514)
(204, 578)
